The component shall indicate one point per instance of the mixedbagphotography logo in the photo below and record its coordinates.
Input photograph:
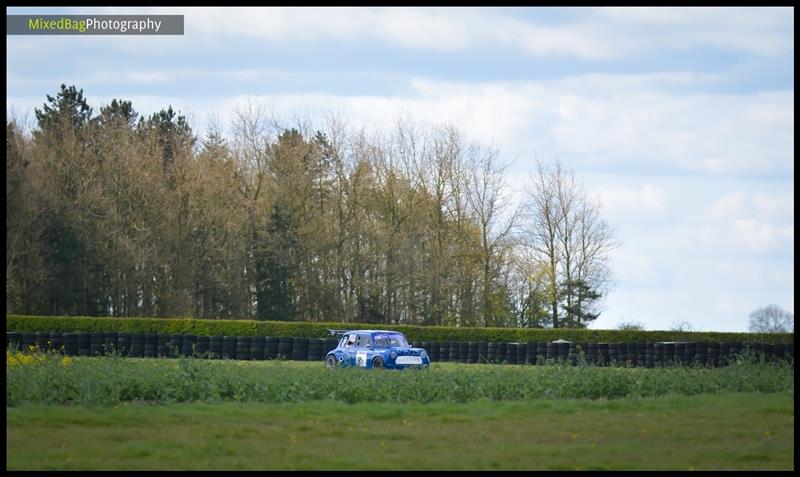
(94, 24)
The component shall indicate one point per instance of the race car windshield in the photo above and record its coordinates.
(390, 341)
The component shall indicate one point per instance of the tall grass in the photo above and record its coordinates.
(49, 379)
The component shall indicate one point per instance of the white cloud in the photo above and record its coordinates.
(765, 31)
(598, 34)
(608, 122)
(648, 200)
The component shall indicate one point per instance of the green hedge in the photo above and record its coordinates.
(27, 324)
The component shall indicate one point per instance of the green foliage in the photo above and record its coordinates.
(113, 380)
(69, 105)
(202, 327)
(742, 431)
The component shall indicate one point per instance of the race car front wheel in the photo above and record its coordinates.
(377, 363)
(330, 361)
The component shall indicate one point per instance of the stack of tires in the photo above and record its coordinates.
(243, 347)
(71, 344)
(228, 347)
(315, 351)
(257, 346)
(284, 347)
(491, 352)
(299, 349)
(271, 347)
(202, 346)
(433, 352)
(215, 347)
(511, 353)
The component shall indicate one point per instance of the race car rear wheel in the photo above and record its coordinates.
(331, 362)
(377, 362)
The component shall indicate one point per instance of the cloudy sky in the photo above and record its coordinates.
(679, 120)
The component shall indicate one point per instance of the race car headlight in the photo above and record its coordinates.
(393, 355)
(423, 354)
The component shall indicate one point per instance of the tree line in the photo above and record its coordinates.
(110, 213)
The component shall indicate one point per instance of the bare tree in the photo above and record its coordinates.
(569, 238)
(491, 206)
(771, 319)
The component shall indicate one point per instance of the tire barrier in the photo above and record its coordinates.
(649, 354)
(111, 339)
(162, 345)
(602, 354)
(271, 347)
(472, 352)
(174, 346)
(572, 353)
(632, 351)
(257, 347)
(530, 352)
(299, 349)
(689, 350)
(701, 358)
(228, 347)
(97, 342)
(433, 352)
(491, 352)
(13, 340)
(56, 341)
(724, 353)
(123, 343)
(522, 353)
(41, 340)
(551, 353)
(613, 353)
(591, 353)
(70, 344)
(202, 346)
(454, 351)
(669, 354)
(738, 348)
(28, 340)
(215, 347)
(243, 347)
(137, 345)
(463, 351)
(84, 344)
(678, 353)
(640, 354)
(284, 348)
(541, 352)
(188, 345)
(444, 351)
(315, 352)
(150, 345)
(713, 354)
(502, 351)
(658, 354)
(512, 349)
(483, 351)
(563, 352)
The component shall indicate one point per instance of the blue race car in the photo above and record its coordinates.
(375, 349)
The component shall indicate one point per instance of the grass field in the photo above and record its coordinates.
(724, 431)
(48, 379)
(114, 413)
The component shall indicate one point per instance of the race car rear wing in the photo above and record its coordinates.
(337, 332)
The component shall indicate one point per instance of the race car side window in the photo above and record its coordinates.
(381, 342)
(350, 341)
(362, 341)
